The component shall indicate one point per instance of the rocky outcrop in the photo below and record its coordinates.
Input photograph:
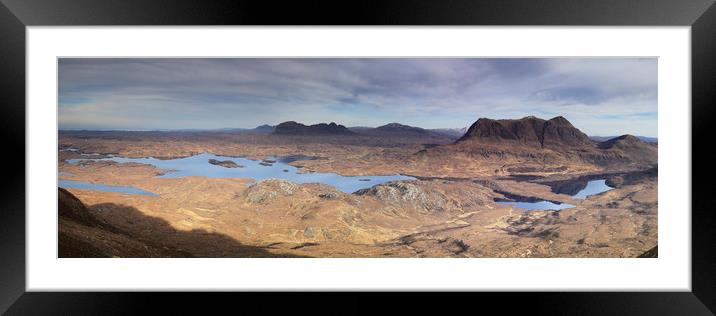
(536, 224)
(266, 191)
(294, 128)
(411, 194)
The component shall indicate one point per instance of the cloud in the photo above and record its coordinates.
(152, 93)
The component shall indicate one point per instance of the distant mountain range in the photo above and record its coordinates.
(294, 128)
(528, 130)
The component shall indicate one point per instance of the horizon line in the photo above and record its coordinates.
(243, 128)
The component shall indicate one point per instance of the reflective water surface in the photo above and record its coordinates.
(593, 187)
(271, 167)
(72, 184)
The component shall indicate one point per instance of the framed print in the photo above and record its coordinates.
(391, 147)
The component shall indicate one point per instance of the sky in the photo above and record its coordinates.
(600, 96)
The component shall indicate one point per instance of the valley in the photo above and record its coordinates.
(326, 190)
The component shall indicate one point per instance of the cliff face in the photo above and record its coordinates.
(531, 131)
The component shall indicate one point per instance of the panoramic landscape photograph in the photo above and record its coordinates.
(357, 157)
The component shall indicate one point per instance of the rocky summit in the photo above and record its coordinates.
(531, 131)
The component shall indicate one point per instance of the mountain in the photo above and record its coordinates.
(395, 130)
(531, 131)
(532, 144)
(294, 128)
(644, 138)
(624, 141)
(401, 129)
(404, 132)
(632, 147)
(263, 129)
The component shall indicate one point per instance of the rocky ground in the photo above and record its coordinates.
(448, 212)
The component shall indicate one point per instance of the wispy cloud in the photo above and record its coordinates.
(600, 95)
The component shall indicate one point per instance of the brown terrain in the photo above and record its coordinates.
(448, 211)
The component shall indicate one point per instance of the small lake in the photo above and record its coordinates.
(593, 187)
(72, 184)
(271, 167)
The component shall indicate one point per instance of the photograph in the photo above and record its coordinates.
(500, 150)
(357, 157)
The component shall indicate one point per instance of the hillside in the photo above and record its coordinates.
(82, 235)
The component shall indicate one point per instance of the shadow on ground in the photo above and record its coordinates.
(124, 231)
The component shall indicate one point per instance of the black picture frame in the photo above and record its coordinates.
(700, 15)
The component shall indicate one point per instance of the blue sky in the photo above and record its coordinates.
(600, 96)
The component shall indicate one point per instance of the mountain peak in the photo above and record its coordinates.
(629, 137)
(397, 129)
(392, 125)
(265, 128)
(528, 130)
(560, 120)
(398, 126)
(624, 140)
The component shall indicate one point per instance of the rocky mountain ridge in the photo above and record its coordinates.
(531, 131)
(295, 128)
